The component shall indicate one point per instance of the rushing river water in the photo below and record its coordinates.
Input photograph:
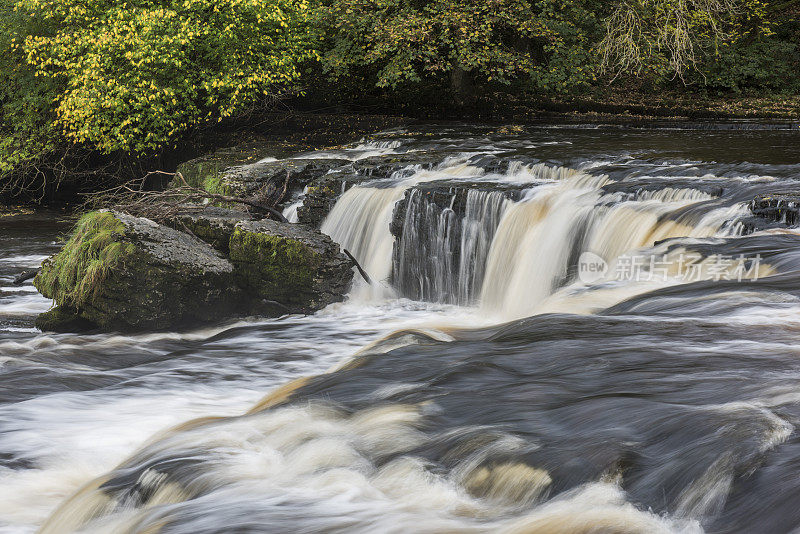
(573, 330)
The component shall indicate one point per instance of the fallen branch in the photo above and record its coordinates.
(361, 271)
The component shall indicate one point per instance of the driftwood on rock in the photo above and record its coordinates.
(162, 206)
(24, 276)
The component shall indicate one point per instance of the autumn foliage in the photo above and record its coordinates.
(135, 77)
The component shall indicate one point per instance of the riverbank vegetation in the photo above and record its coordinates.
(96, 91)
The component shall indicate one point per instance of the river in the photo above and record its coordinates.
(573, 329)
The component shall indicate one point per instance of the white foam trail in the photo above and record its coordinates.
(360, 151)
(26, 304)
(313, 467)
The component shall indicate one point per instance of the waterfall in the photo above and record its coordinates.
(359, 222)
(541, 238)
(470, 243)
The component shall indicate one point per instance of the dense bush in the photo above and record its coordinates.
(135, 75)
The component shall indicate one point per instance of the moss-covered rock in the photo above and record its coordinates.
(127, 273)
(298, 267)
(119, 272)
(212, 224)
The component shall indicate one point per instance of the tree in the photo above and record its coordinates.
(407, 42)
(134, 75)
(671, 37)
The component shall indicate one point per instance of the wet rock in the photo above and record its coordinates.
(301, 269)
(265, 180)
(63, 319)
(442, 196)
(270, 180)
(442, 238)
(321, 194)
(778, 207)
(129, 273)
(378, 167)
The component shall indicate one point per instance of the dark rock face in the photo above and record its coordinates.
(264, 180)
(296, 266)
(322, 193)
(63, 319)
(120, 272)
(376, 167)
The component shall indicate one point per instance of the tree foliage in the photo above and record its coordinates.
(676, 37)
(494, 41)
(134, 75)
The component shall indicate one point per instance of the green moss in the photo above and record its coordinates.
(278, 267)
(214, 184)
(75, 276)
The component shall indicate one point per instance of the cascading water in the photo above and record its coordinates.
(474, 245)
(488, 383)
(441, 256)
(356, 222)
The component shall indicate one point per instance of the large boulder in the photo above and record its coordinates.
(300, 268)
(120, 272)
(128, 273)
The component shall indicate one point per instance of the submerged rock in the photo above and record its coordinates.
(298, 267)
(120, 272)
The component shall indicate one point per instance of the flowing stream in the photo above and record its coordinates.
(571, 330)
